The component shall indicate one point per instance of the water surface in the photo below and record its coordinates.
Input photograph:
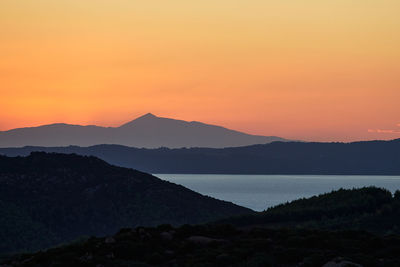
(259, 192)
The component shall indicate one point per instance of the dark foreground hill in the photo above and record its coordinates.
(363, 158)
(46, 199)
(220, 245)
(326, 230)
(146, 131)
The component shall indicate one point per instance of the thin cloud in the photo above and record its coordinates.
(383, 131)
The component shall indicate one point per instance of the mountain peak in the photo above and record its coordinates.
(145, 117)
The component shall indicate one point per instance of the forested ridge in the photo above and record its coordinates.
(369, 209)
(46, 199)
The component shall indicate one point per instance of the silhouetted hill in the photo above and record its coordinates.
(369, 209)
(364, 158)
(319, 231)
(147, 131)
(46, 199)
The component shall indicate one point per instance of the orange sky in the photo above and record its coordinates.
(310, 70)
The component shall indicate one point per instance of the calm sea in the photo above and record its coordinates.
(259, 192)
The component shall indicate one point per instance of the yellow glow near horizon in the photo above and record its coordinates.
(311, 70)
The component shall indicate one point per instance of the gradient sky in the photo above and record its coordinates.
(310, 69)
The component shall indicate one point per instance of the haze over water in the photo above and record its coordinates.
(259, 192)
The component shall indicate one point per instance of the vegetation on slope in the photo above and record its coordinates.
(370, 209)
(18, 230)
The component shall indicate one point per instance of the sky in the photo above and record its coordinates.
(309, 70)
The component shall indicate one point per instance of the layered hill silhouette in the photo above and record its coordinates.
(363, 158)
(356, 227)
(47, 199)
(147, 131)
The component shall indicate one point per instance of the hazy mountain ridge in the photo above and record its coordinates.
(356, 158)
(46, 199)
(147, 131)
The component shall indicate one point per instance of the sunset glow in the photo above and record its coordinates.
(309, 70)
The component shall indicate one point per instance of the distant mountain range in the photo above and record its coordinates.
(148, 131)
(363, 158)
(48, 199)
